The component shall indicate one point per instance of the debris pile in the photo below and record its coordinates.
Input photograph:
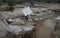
(16, 25)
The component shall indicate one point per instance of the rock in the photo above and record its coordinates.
(14, 29)
(16, 21)
(10, 20)
(3, 31)
(27, 28)
(36, 17)
(57, 18)
(19, 31)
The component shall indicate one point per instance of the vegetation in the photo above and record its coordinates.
(31, 1)
(20, 1)
(11, 3)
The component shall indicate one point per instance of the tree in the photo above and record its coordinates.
(1, 1)
(18, 1)
(10, 4)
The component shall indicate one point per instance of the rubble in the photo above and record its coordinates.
(17, 29)
(3, 27)
(20, 27)
(14, 29)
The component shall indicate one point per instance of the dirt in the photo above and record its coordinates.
(44, 29)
